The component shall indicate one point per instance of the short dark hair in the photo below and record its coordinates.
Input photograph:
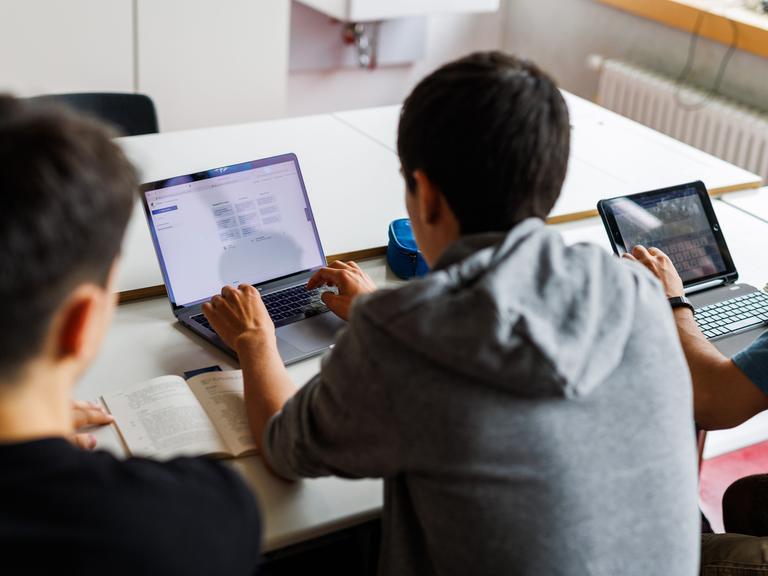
(67, 193)
(492, 132)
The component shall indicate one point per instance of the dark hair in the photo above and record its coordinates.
(67, 192)
(492, 132)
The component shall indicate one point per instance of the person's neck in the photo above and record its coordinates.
(37, 405)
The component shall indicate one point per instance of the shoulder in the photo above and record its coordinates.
(184, 516)
(192, 493)
(186, 477)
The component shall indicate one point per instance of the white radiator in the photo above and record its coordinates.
(722, 127)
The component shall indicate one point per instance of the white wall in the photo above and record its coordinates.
(560, 34)
(447, 37)
(207, 62)
(67, 46)
(213, 62)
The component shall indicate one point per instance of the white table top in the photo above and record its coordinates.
(353, 180)
(349, 177)
(754, 202)
(353, 183)
(610, 156)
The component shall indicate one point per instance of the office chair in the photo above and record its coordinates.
(130, 114)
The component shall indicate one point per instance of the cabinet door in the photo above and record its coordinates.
(211, 62)
(66, 46)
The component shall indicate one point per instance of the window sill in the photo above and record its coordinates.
(718, 22)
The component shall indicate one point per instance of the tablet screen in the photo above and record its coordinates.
(675, 222)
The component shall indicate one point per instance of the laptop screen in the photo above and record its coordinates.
(677, 222)
(246, 223)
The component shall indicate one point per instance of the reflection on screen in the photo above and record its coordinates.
(676, 224)
(245, 227)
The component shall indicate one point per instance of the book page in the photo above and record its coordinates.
(221, 395)
(161, 418)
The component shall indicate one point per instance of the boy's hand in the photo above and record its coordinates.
(661, 266)
(85, 414)
(350, 281)
(239, 316)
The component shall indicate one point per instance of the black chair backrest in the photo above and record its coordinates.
(131, 114)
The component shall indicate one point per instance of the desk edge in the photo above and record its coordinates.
(156, 291)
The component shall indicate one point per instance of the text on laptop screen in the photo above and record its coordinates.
(250, 226)
(675, 223)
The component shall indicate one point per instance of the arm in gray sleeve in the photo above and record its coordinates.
(341, 423)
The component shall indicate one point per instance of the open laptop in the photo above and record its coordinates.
(681, 222)
(245, 223)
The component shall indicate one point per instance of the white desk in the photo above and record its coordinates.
(753, 202)
(610, 156)
(352, 171)
(353, 183)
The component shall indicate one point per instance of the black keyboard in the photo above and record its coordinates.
(285, 306)
(733, 315)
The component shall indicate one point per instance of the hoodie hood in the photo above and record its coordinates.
(520, 311)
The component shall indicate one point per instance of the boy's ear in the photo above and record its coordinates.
(82, 321)
(428, 197)
(79, 324)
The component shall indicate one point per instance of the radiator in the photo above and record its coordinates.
(721, 127)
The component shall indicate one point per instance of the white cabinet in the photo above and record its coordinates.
(370, 10)
(212, 62)
(66, 46)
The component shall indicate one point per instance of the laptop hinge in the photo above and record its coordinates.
(706, 285)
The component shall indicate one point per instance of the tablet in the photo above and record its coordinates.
(680, 221)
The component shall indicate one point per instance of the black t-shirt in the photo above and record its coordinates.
(67, 511)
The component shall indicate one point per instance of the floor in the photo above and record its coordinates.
(721, 471)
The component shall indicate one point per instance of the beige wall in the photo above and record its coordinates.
(560, 34)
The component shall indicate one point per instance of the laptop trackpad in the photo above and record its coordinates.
(310, 335)
(734, 343)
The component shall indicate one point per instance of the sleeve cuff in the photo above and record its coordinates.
(753, 361)
(275, 462)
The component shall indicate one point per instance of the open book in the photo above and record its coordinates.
(169, 416)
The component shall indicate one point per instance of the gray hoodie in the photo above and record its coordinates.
(529, 407)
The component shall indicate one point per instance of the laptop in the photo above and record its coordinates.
(246, 223)
(681, 222)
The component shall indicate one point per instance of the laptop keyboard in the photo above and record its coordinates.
(285, 306)
(733, 315)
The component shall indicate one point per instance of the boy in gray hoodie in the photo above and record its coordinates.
(527, 403)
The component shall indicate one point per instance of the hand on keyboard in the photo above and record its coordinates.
(238, 315)
(348, 279)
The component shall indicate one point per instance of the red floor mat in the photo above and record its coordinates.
(720, 472)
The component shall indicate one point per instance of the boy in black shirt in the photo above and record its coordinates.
(66, 195)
